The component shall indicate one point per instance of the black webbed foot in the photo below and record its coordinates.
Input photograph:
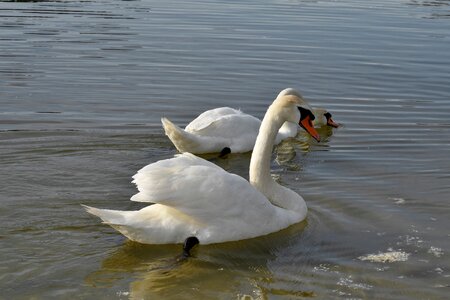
(189, 243)
(225, 151)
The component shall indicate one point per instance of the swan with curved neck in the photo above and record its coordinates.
(225, 127)
(194, 197)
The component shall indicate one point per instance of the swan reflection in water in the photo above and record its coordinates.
(233, 268)
(288, 149)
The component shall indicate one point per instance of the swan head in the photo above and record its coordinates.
(324, 117)
(293, 108)
(330, 121)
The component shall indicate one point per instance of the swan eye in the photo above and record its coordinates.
(305, 112)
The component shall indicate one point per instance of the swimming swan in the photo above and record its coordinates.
(225, 127)
(195, 198)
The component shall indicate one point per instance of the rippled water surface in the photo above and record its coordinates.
(83, 85)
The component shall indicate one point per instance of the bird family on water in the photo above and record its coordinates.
(195, 201)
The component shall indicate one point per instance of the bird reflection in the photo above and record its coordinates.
(162, 272)
(287, 150)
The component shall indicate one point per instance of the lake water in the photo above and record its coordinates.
(83, 85)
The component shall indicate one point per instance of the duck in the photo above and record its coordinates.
(226, 129)
(192, 199)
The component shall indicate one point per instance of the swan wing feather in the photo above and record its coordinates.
(197, 188)
(209, 116)
(232, 127)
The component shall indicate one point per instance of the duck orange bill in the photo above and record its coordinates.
(332, 123)
(308, 126)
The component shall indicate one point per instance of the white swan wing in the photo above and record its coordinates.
(195, 187)
(209, 116)
(225, 127)
(224, 122)
(195, 197)
(238, 127)
(205, 201)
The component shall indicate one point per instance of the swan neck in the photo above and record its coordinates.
(262, 151)
(260, 176)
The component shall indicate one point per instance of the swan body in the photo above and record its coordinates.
(194, 197)
(215, 129)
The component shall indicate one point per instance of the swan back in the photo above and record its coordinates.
(207, 117)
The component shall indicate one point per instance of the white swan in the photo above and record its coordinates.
(222, 127)
(194, 197)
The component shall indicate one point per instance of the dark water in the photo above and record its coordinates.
(83, 85)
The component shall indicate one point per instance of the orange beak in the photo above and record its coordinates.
(332, 123)
(306, 124)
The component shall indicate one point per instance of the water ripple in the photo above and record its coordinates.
(85, 83)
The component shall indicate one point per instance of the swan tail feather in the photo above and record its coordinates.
(144, 226)
(108, 216)
(185, 141)
(182, 140)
